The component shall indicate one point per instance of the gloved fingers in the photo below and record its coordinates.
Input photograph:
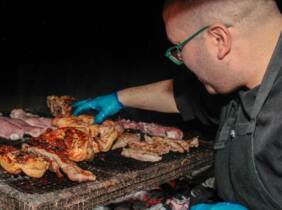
(82, 108)
(100, 118)
(80, 103)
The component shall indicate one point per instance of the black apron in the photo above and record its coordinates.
(236, 172)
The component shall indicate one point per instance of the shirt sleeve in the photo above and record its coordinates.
(194, 102)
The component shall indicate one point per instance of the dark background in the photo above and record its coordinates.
(81, 49)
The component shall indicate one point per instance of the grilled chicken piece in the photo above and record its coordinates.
(104, 134)
(16, 161)
(82, 122)
(107, 135)
(125, 138)
(60, 106)
(140, 155)
(73, 143)
(69, 168)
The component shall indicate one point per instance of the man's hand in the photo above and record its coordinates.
(106, 106)
(218, 206)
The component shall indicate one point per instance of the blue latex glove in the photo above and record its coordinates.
(218, 206)
(106, 106)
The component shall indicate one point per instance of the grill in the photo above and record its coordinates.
(117, 176)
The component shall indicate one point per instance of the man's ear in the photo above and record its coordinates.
(221, 38)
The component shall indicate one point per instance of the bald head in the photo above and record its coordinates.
(207, 12)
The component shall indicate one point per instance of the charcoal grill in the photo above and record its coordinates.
(117, 177)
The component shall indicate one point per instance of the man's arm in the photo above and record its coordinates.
(155, 97)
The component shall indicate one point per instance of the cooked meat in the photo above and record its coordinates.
(82, 122)
(124, 139)
(73, 143)
(104, 134)
(31, 119)
(152, 129)
(8, 130)
(159, 149)
(107, 135)
(194, 142)
(60, 106)
(69, 168)
(153, 147)
(54, 167)
(14, 129)
(16, 161)
(170, 143)
(28, 129)
(140, 155)
(174, 144)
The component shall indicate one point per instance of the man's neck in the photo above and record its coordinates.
(261, 49)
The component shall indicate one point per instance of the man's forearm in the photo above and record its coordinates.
(155, 97)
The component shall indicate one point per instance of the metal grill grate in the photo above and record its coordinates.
(104, 166)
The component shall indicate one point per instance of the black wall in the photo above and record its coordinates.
(79, 49)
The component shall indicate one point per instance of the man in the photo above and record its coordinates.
(234, 48)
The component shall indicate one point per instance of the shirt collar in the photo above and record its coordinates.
(248, 96)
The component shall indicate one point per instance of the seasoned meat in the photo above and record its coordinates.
(73, 143)
(82, 122)
(152, 129)
(16, 161)
(69, 168)
(8, 130)
(60, 106)
(140, 155)
(125, 138)
(159, 149)
(104, 135)
(31, 119)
